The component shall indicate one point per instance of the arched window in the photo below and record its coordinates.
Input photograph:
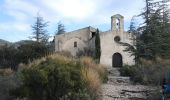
(117, 23)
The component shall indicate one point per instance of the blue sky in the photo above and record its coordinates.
(16, 16)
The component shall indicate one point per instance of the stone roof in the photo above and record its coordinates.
(117, 16)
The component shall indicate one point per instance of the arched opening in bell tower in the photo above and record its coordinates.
(117, 23)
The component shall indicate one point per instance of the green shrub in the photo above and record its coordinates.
(8, 56)
(127, 70)
(12, 55)
(146, 73)
(55, 78)
(31, 51)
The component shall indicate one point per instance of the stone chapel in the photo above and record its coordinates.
(112, 52)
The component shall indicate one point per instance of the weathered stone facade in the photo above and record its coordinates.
(112, 52)
(76, 40)
(110, 47)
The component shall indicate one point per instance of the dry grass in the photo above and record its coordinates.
(6, 72)
(93, 75)
(58, 57)
(64, 53)
(91, 78)
(36, 62)
(146, 62)
(162, 61)
(89, 63)
(158, 60)
(149, 71)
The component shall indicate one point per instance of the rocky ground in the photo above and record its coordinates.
(121, 88)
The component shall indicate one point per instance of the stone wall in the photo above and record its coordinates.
(85, 38)
(109, 47)
(82, 37)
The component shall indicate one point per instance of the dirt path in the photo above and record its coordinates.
(121, 88)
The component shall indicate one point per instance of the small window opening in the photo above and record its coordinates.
(117, 38)
(93, 34)
(75, 44)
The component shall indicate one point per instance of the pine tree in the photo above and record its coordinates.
(135, 49)
(152, 39)
(147, 30)
(39, 31)
(97, 45)
(163, 41)
(155, 30)
(60, 29)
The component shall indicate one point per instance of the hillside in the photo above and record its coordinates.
(3, 42)
(16, 44)
(22, 42)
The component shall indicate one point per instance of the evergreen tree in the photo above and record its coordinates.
(97, 45)
(152, 38)
(135, 49)
(163, 37)
(154, 30)
(147, 30)
(39, 31)
(60, 29)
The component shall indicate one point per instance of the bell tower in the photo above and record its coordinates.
(117, 23)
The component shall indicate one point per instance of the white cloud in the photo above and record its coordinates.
(82, 11)
(18, 12)
(15, 26)
(79, 9)
(19, 16)
(70, 12)
(23, 6)
(13, 31)
(21, 26)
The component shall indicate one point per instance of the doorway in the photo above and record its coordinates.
(117, 60)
